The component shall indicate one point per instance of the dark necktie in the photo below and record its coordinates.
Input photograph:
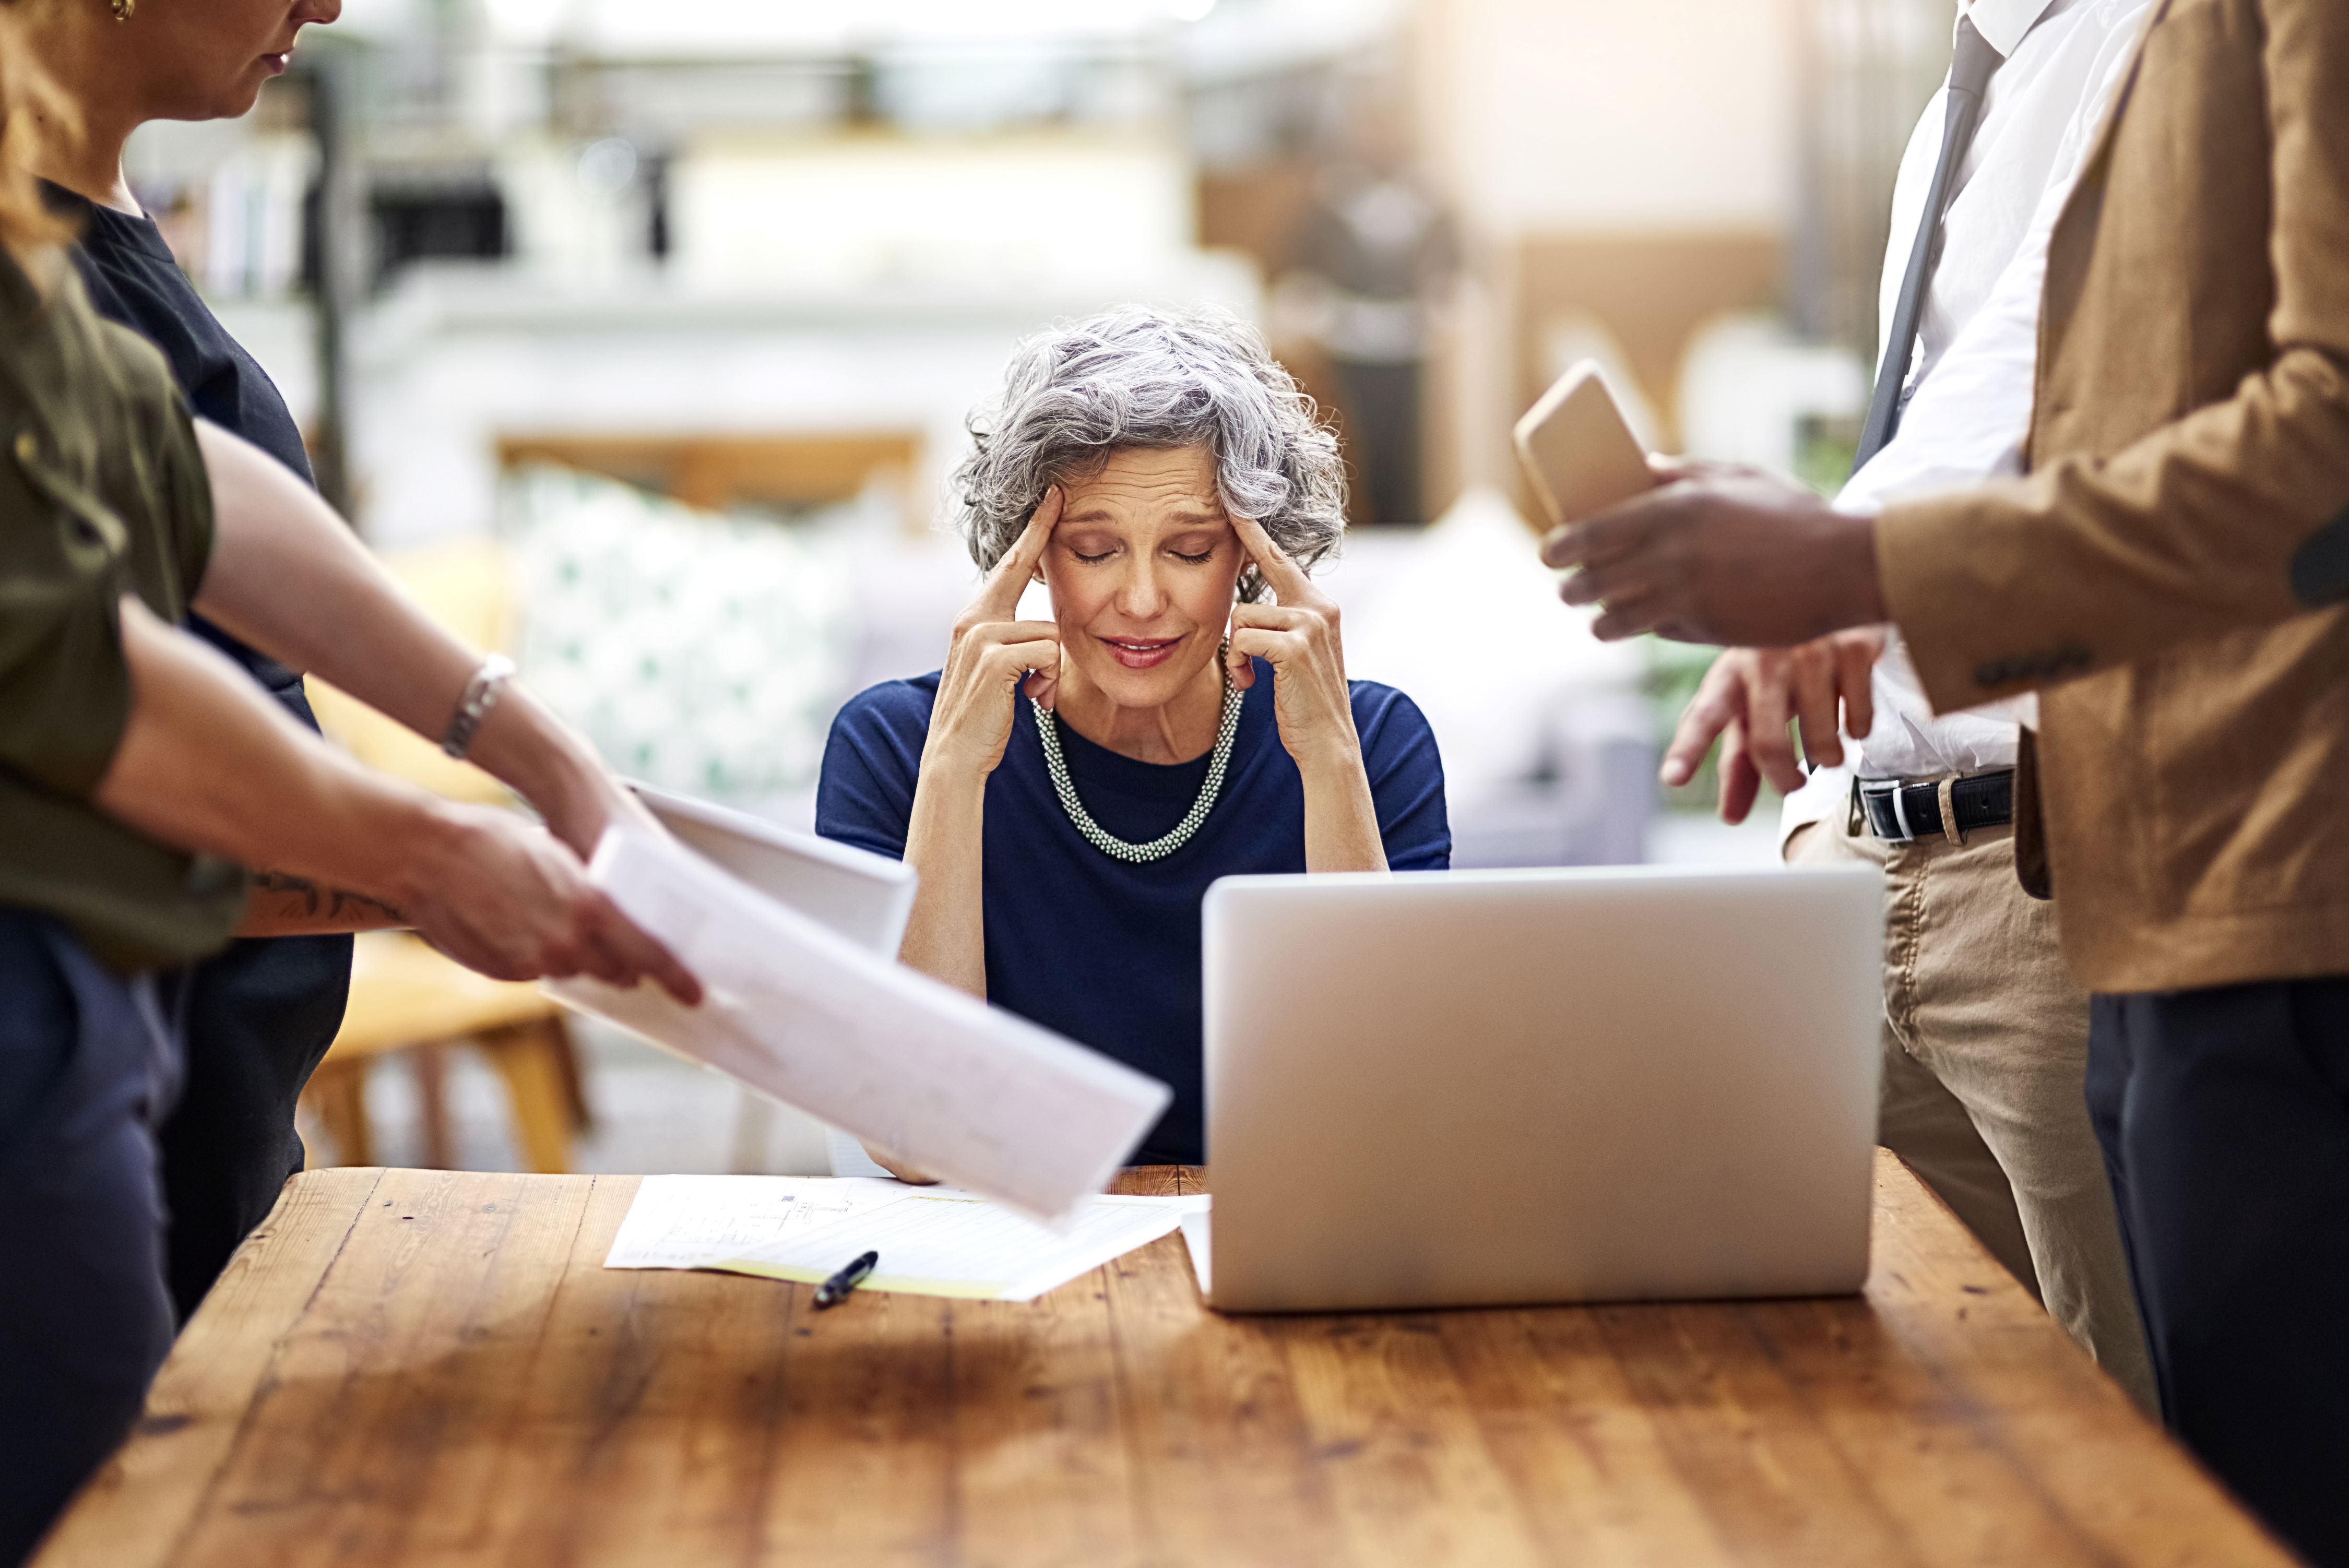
(1968, 75)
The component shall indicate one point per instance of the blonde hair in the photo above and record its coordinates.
(26, 224)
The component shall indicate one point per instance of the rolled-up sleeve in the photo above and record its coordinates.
(65, 690)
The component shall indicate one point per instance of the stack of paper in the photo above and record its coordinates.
(932, 1241)
(972, 1095)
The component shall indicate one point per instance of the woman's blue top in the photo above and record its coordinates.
(1104, 952)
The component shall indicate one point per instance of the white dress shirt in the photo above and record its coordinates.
(1967, 406)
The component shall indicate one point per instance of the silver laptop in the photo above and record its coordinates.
(1479, 1088)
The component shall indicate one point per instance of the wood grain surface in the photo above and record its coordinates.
(409, 1366)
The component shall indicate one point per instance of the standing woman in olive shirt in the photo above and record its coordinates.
(139, 769)
(260, 1014)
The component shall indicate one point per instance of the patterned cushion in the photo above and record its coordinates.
(701, 653)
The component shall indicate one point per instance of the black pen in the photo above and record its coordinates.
(834, 1291)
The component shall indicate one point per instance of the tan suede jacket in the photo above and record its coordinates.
(2167, 565)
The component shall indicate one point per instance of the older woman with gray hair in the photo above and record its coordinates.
(1068, 788)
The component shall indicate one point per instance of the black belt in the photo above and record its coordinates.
(1901, 813)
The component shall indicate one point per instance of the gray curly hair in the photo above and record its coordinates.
(1137, 377)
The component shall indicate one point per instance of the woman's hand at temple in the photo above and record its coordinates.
(993, 658)
(1313, 705)
(1298, 636)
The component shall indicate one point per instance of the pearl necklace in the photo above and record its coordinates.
(1157, 848)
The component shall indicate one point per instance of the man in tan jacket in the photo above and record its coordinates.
(2173, 573)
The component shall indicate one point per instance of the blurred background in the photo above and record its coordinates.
(638, 338)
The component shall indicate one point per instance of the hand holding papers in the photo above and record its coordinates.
(984, 1100)
(932, 1241)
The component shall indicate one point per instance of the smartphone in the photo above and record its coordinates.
(1577, 450)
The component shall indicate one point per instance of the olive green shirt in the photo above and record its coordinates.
(102, 493)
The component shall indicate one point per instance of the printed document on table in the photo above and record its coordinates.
(693, 1222)
(965, 1092)
(932, 1241)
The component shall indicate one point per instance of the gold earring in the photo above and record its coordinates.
(122, 10)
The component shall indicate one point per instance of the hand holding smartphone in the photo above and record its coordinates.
(1577, 450)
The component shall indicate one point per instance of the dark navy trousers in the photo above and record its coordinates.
(87, 1066)
(2224, 1117)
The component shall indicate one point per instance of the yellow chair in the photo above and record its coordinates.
(407, 999)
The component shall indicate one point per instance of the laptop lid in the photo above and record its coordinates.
(1545, 1086)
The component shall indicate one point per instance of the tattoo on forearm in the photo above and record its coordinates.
(325, 902)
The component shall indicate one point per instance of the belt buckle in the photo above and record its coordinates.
(1888, 793)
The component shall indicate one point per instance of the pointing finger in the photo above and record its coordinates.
(1718, 704)
(1009, 578)
(1288, 581)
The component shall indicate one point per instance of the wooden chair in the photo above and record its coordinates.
(408, 998)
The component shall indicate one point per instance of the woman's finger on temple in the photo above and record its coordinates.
(1009, 578)
(1288, 580)
(1039, 531)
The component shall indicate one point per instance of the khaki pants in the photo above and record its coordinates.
(1985, 1068)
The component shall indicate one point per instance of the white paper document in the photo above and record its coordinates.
(1197, 1239)
(932, 1241)
(967, 1093)
(693, 1222)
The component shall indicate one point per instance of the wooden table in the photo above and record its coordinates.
(421, 1368)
